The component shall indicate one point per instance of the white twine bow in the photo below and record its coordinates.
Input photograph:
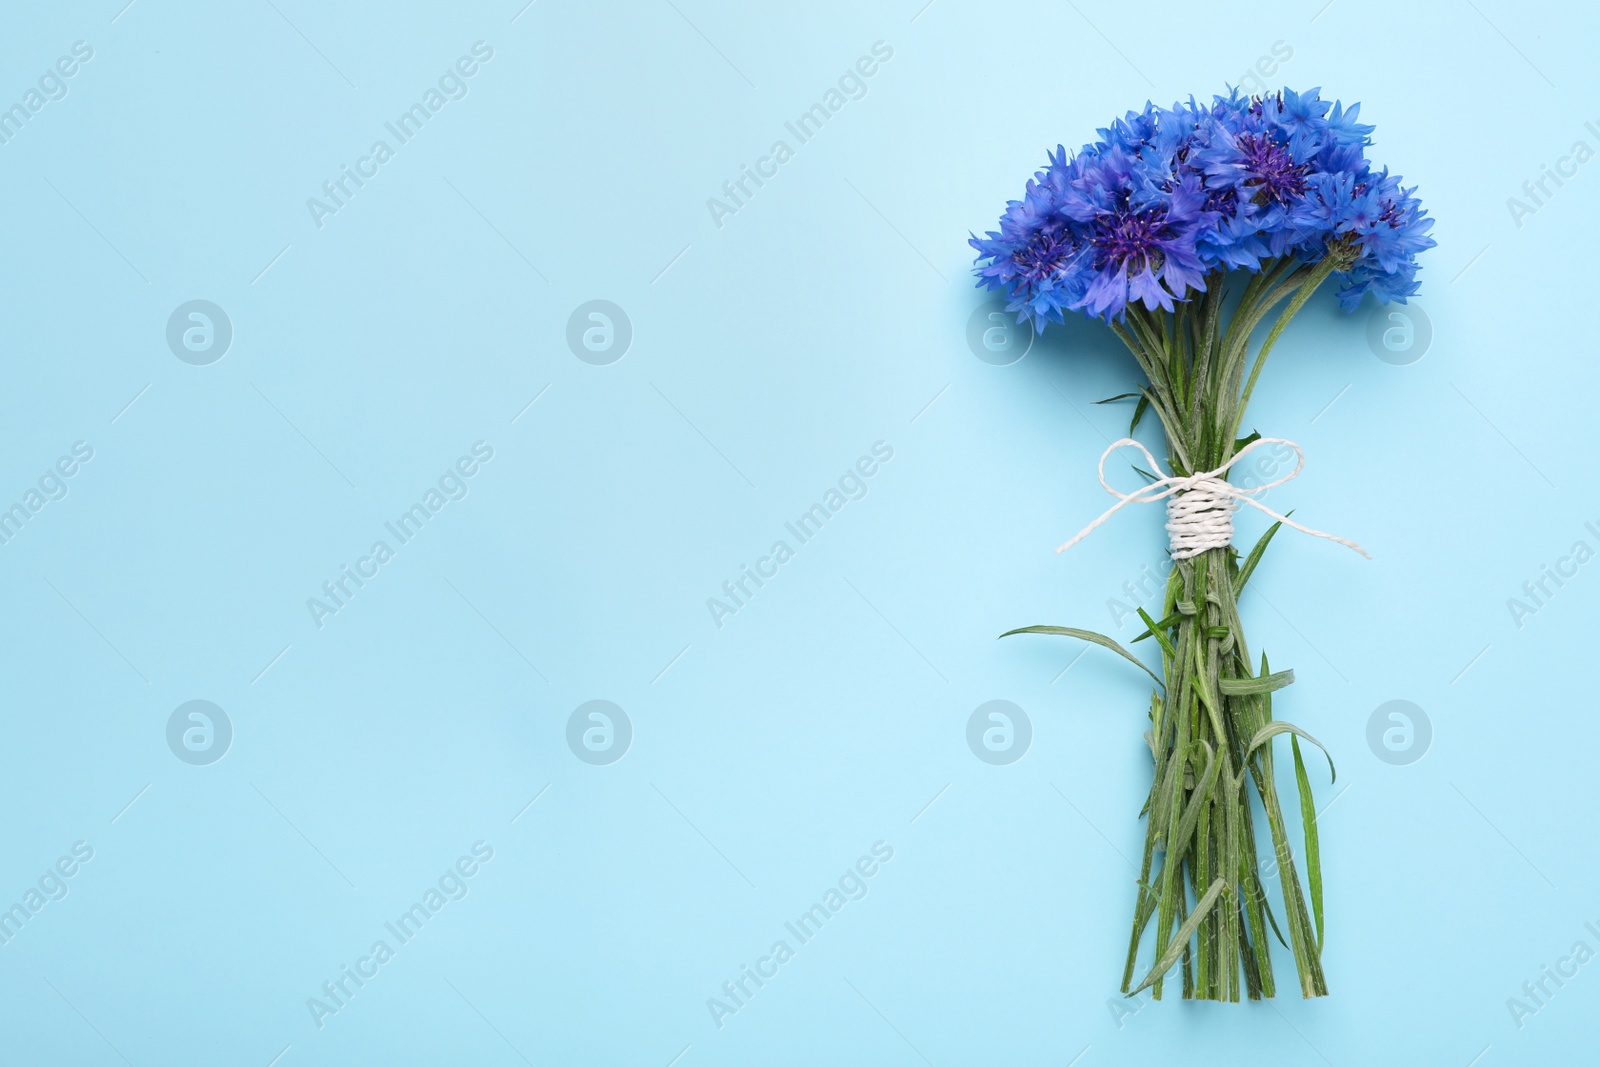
(1200, 507)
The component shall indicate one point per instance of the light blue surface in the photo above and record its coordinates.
(769, 353)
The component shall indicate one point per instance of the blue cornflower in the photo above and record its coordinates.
(1168, 196)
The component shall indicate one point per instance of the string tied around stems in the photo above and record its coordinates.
(1200, 506)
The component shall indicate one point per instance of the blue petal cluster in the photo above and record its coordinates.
(1170, 196)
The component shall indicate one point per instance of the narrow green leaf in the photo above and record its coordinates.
(1308, 818)
(1165, 624)
(1151, 626)
(1087, 635)
(1273, 729)
(1266, 683)
(1138, 413)
(1204, 693)
(1254, 558)
(1120, 396)
(1180, 940)
(1266, 906)
(1243, 442)
(1198, 803)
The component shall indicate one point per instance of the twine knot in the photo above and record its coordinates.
(1200, 506)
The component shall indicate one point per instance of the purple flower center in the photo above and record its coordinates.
(1131, 239)
(1223, 201)
(1040, 259)
(1274, 175)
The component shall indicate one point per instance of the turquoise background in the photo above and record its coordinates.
(768, 353)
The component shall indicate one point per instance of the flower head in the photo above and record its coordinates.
(1169, 196)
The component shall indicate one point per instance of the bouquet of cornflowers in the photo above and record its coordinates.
(1183, 229)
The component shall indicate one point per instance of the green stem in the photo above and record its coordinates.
(1309, 286)
(1200, 827)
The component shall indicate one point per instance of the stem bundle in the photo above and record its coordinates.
(1201, 883)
